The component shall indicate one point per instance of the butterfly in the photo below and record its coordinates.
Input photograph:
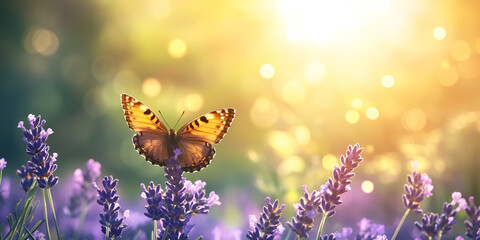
(195, 139)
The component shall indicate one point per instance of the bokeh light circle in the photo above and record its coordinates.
(388, 81)
(352, 116)
(193, 102)
(439, 33)
(367, 186)
(414, 119)
(267, 71)
(177, 48)
(460, 50)
(372, 113)
(151, 87)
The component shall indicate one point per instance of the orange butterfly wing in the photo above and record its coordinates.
(151, 140)
(195, 138)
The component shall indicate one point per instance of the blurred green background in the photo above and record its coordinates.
(307, 78)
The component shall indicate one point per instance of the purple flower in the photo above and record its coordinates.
(369, 230)
(419, 186)
(41, 163)
(331, 191)
(153, 195)
(3, 163)
(83, 194)
(180, 201)
(37, 235)
(26, 173)
(434, 225)
(4, 189)
(328, 198)
(302, 223)
(473, 220)
(346, 232)
(330, 236)
(269, 224)
(108, 199)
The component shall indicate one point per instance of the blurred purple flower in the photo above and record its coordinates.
(269, 226)
(330, 236)
(3, 164)
(220, 232)
(41, 163)
(473, 220)
(369, 230)
(459, 238)
(346, 232)
(83, 194)
(419, 186)
(4, 189)
(108, 199)
(37, 235)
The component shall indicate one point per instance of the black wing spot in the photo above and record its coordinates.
(204, 119)
(147, 112)
(196, 122)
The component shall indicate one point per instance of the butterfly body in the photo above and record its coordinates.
(195, 139)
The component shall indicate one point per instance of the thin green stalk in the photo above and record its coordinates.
(320, 228)
(1, 176)
(106, 232)
(440, 233)
(45, 212)
(289, 233)
(165, 234)
(81, 220)
(49, 193)
(155, 229)
(400, 224)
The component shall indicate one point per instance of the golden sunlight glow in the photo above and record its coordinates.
(414, 119)
(151, 87)
(439, 33)
(293, 92)
(314, 72)
(352, 116)
(369, 148)
(177, 48)
(440, 166)
(252, 155)
(372, 113)
(291, 164)
(282, 142)
(460, 50)
(367, 186)
(193, 102)
(447, 74)
(357, 103)
(41, 41)
(329, 161)
(267, 71)
(477, 45)
(302, 133)
(388, 81)
(322, 20)
(264, 113)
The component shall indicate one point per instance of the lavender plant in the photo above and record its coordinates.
(41, 165)
(325, 201)
(419, 186)
(473, 221)
(112, 223)
(83, 193)
(180, 201)
(434, 226)
(269, 226)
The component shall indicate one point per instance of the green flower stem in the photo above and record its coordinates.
(165, 234)
(440, 233)
(1, 176)
(400, 224)
(45, 212)
(320, 228)
(81, 220)
(155, 229)
(49, 193)
(106, 232)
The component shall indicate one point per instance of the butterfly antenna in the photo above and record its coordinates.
(164, 120)
(179, 119)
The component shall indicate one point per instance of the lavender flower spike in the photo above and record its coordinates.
(306, 212)
(108, 199)
(153, 195)
(269, 225)
(419, 186)
(41, 163)
(473, 221)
